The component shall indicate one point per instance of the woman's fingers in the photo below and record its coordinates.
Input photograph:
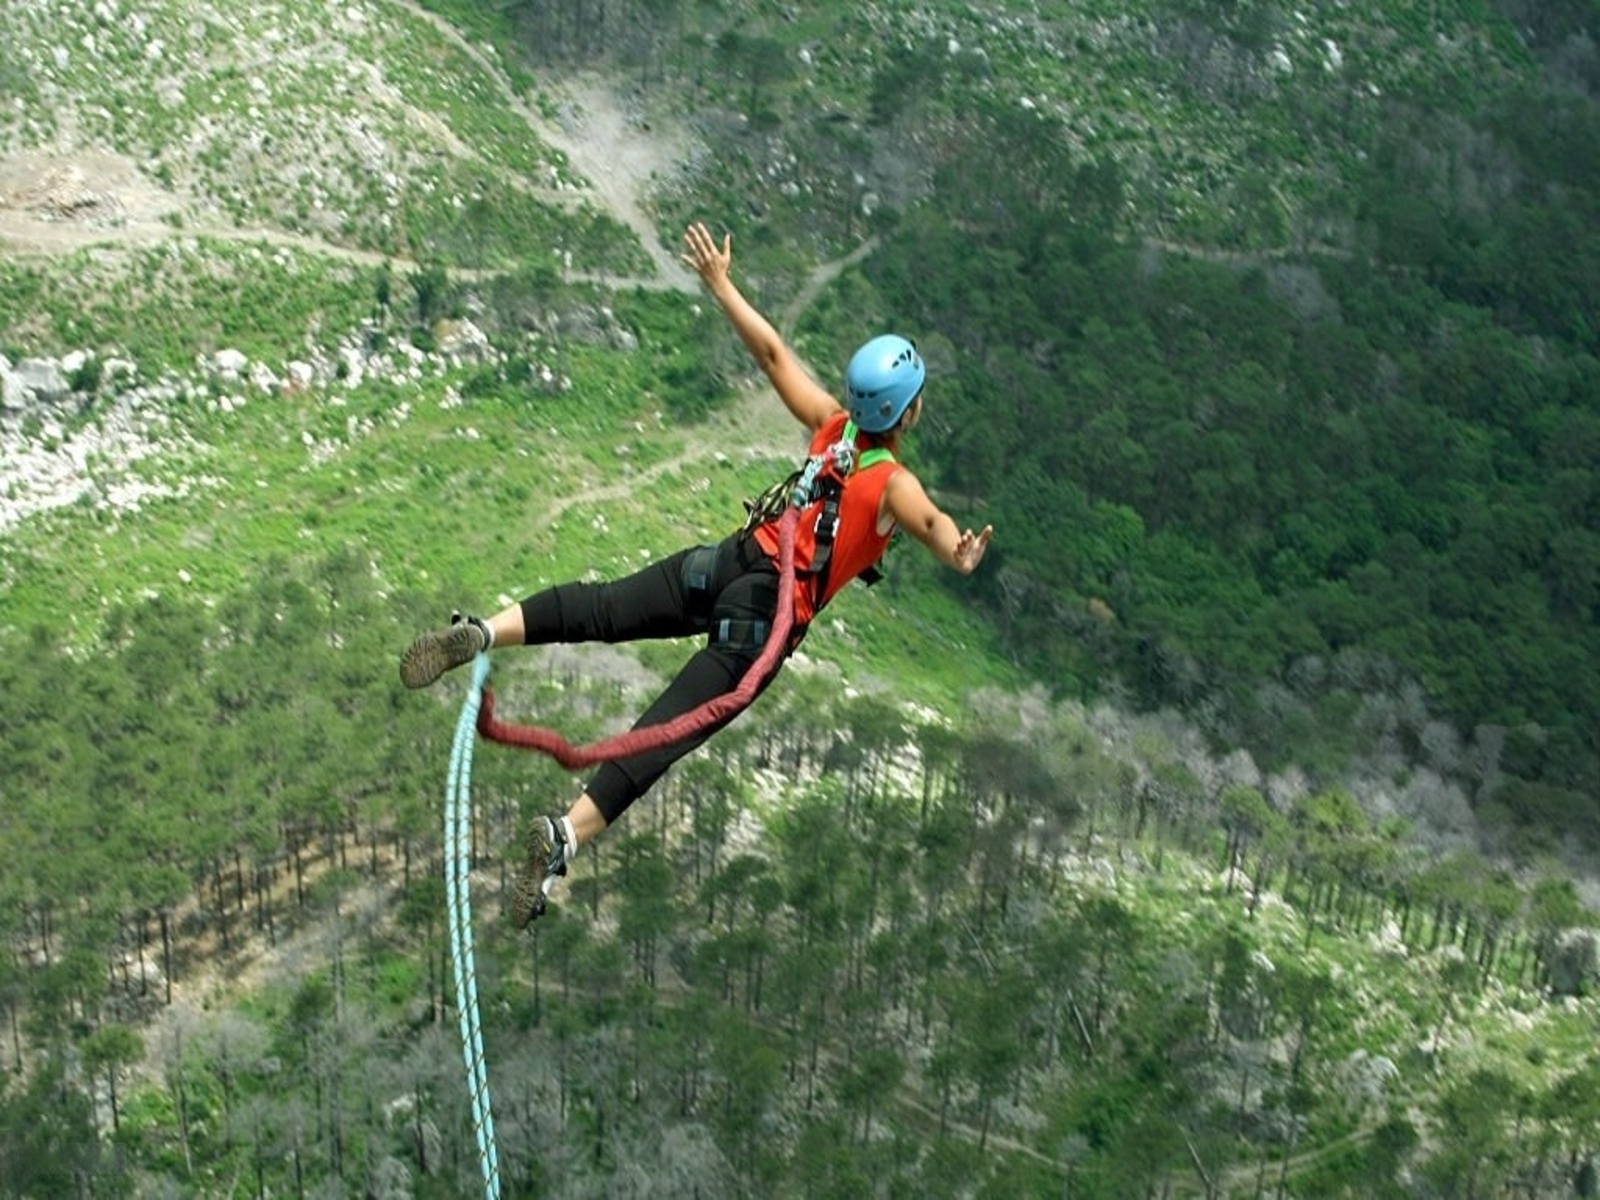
(702, 254)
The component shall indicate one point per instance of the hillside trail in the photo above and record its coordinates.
(55, 203)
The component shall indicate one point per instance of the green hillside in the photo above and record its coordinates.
(1225, 835)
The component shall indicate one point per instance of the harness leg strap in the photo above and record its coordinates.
(698, 567)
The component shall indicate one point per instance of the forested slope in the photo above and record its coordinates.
(1271, 333)
(848, 950)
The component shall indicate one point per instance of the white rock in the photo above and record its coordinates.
(43, 378)
(230, 362)
(13, 395)
(354, 364)
(464, 341)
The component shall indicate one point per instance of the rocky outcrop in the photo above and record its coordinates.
(70, 428)
(51, 455)
(1574, 963)
(30, 385)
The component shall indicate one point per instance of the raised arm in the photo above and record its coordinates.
(803, 396)
(924, 520)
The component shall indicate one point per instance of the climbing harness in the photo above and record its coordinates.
(813, 480)
(818, 483)
(458, 865)
(827, 485)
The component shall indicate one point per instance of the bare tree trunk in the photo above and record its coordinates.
(166, 952)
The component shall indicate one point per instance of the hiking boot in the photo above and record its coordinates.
(544, 861)
(441, 650)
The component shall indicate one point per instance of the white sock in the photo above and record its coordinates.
(571, 835)
(488, 632)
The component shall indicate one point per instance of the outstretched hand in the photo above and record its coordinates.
(703, 257)
(969, 549)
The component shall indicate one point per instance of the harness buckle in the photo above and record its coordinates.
(739, 634)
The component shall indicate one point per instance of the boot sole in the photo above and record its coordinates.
(436, 652)
(527, 891)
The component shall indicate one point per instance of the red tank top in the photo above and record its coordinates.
(856, 546)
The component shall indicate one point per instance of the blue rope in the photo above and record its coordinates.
(458, 865)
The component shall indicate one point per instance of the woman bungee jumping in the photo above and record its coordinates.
(856, 496)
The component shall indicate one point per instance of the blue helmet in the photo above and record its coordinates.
(883, 378)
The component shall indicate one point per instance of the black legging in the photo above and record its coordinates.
(740, 585)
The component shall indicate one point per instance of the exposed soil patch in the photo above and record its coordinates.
(58, 203)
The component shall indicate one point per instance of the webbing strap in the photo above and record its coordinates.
(869, 458)
(685, 725)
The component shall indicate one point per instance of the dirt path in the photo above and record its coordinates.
(58, 203)
(821, 277)
(757, 426)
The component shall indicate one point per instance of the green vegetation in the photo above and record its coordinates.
(166, 308)
(1265, 338)
(1004, 939)
(434, 164)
